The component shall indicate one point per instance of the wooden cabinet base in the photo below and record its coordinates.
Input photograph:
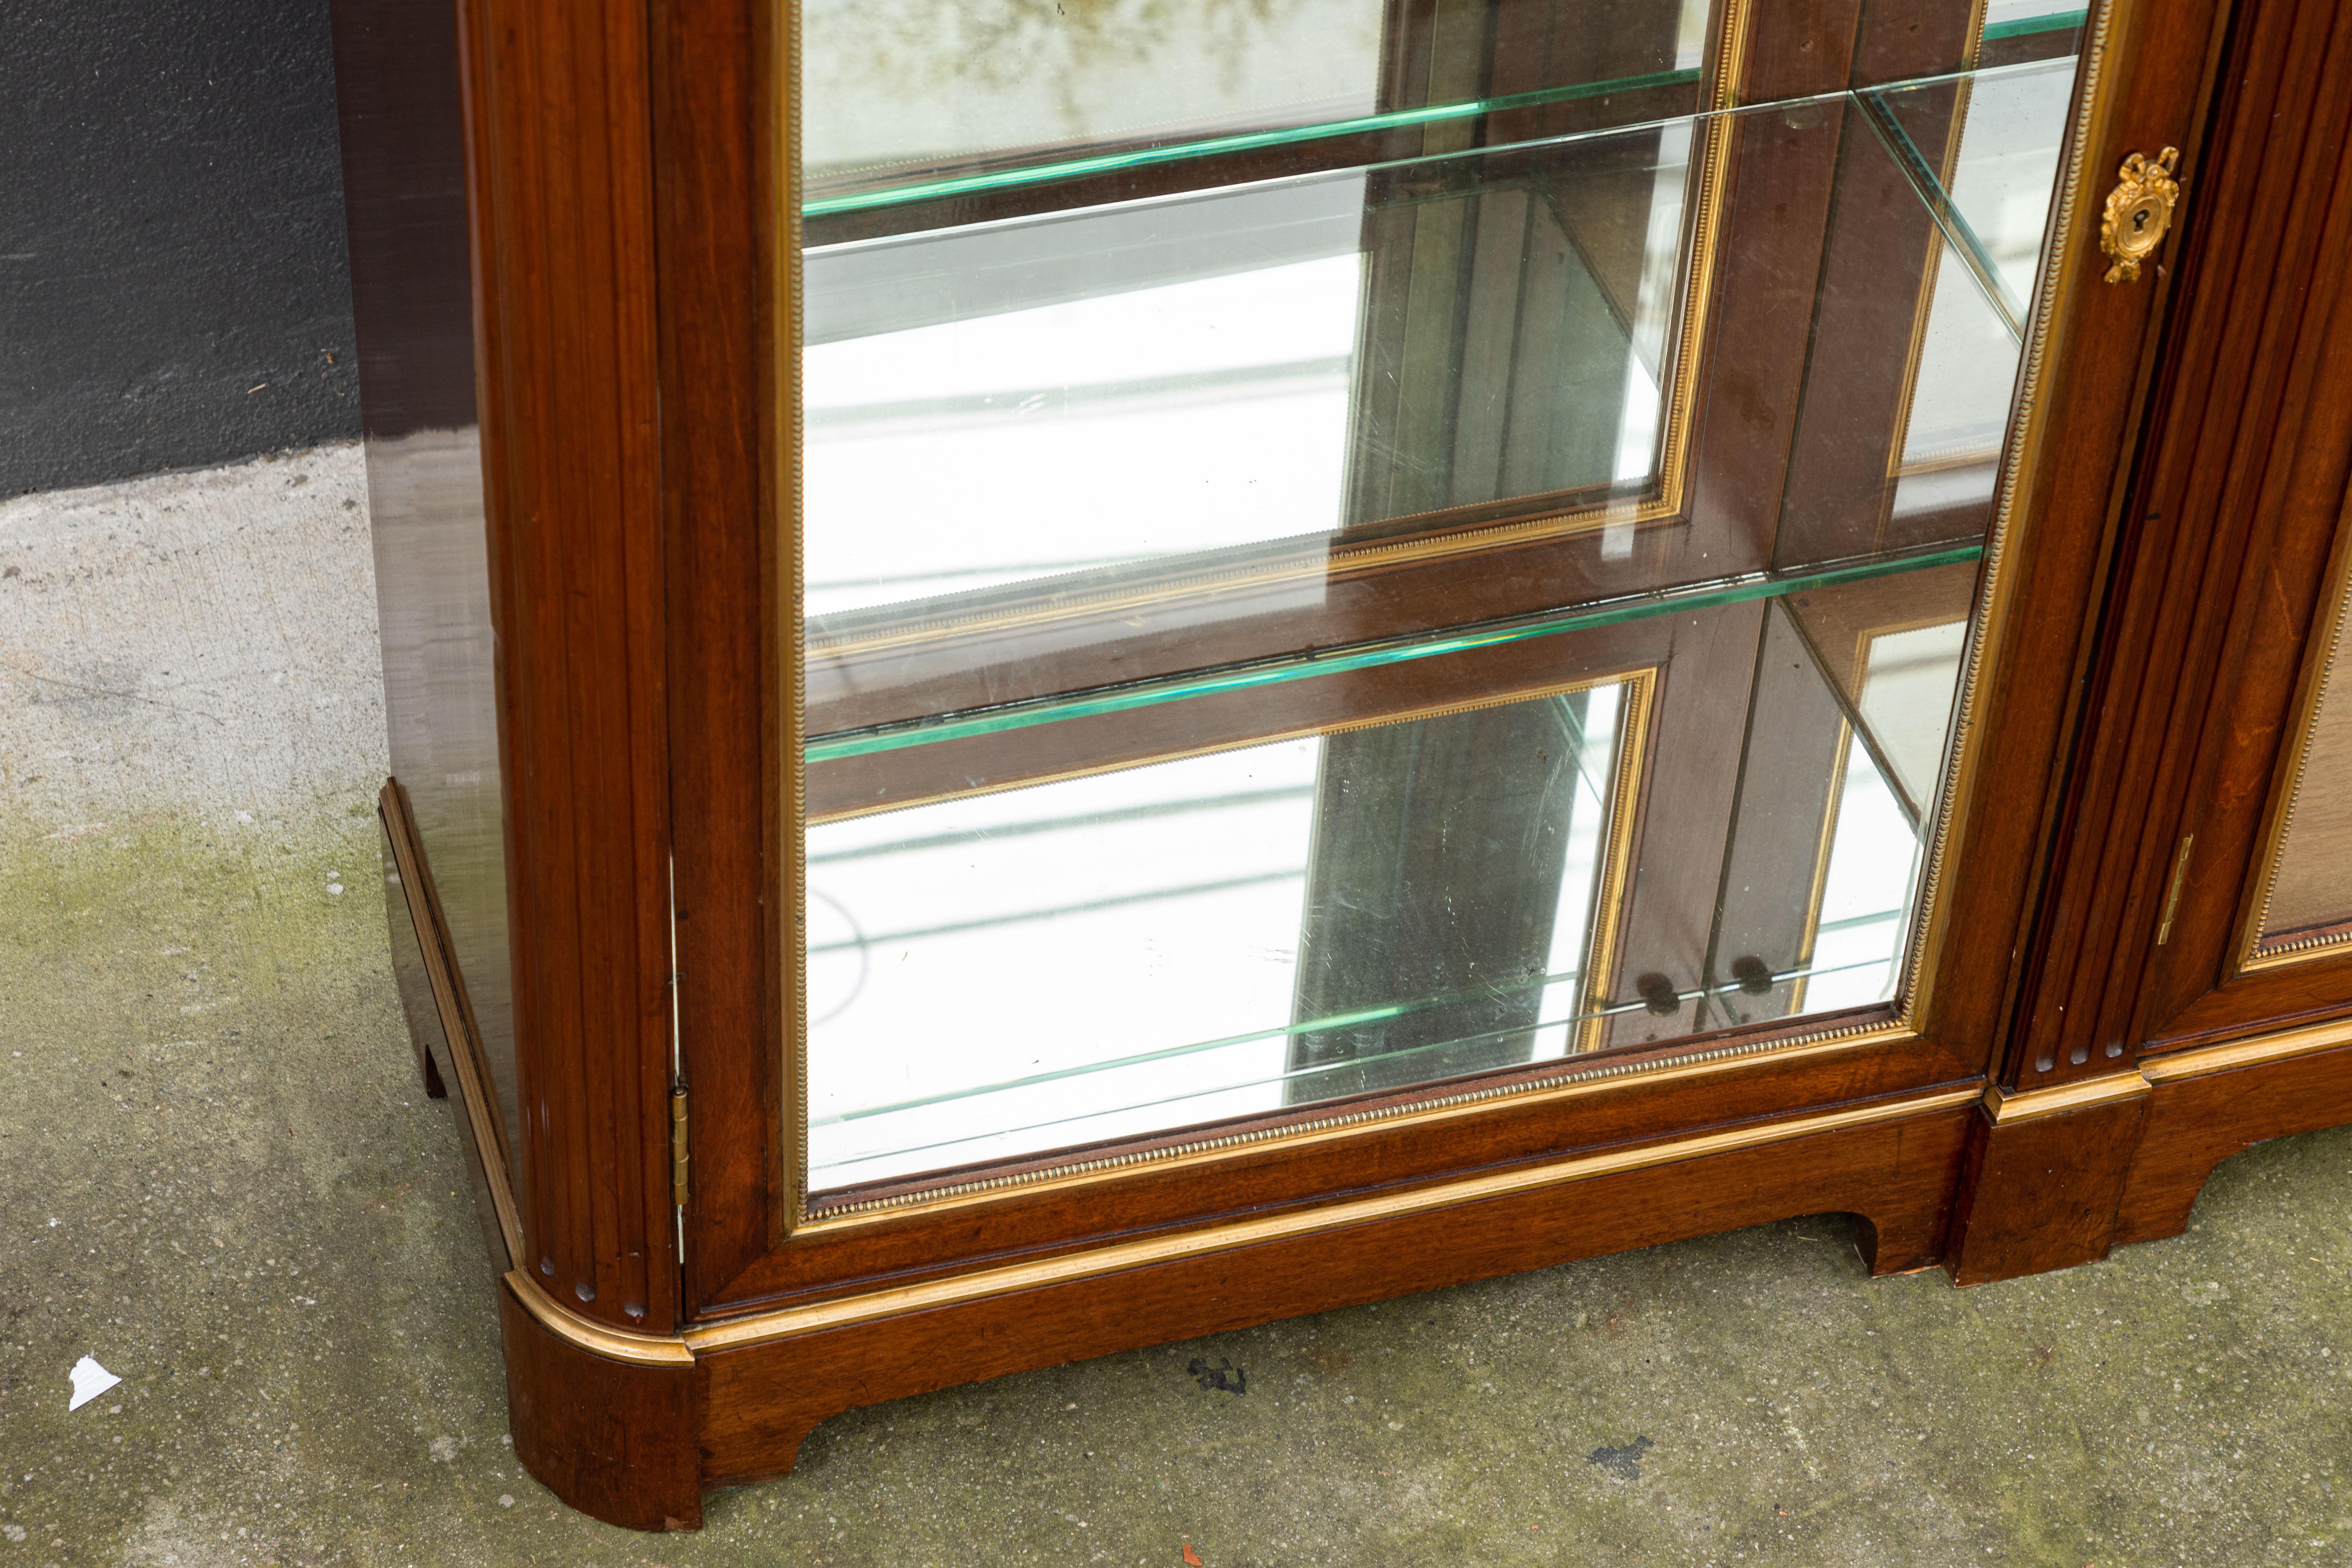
(764, 1381)
(2056, 1160)
(633, 1442)
(615, 1439)
(2209, 1104)
(631, 1428)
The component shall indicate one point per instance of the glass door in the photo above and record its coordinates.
(1353, 556)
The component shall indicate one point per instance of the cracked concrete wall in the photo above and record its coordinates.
(172, 280)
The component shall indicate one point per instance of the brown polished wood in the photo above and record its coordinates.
(2150, 620)
(2202, 1112)
(2228, 528)
(2043, 1182)
(1297, 1170)
(2048, 635)
(2270, 533)
(560, 116)
(1896, 1176)
(616, 1440)
(721, 477)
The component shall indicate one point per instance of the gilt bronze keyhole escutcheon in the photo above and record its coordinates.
(2139, 212)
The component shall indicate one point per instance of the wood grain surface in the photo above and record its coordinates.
(559, 125)
(2226, 530)
(615, 1441)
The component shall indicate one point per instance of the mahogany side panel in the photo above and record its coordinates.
(613, 1439)
(403, 132)
(559, 143)
(760, 1401)
(410, 922)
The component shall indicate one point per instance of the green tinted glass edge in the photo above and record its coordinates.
(1396, 119)
(1145, 157)
(1086, 705)
(2055, 21)
(1879, 113)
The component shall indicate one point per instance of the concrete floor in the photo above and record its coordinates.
(218, 1177)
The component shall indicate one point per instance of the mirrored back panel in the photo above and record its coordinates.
(1340, 574)
(2302, 906)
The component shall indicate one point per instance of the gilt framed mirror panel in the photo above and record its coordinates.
(2300, 910)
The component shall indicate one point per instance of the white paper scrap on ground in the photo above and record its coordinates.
(89, 1381)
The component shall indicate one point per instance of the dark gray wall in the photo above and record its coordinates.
(171, 237)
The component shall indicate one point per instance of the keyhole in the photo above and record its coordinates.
(2139, 220)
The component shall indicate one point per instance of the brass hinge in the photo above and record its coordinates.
(677, 1146)
(2172, 896)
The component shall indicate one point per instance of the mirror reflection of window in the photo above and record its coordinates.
(1080, 394)
(899, 92)
(897, 84)
(1996, 177)
(1866, 898)
(957, 455)
(1908, 679)
(1110, 955)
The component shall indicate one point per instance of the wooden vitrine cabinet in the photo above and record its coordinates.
(1063, 676)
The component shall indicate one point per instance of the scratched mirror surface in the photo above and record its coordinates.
(1289, 633)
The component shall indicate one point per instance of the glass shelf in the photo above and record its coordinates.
(1253, 925)
(1697, 596)
(1213, 147)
